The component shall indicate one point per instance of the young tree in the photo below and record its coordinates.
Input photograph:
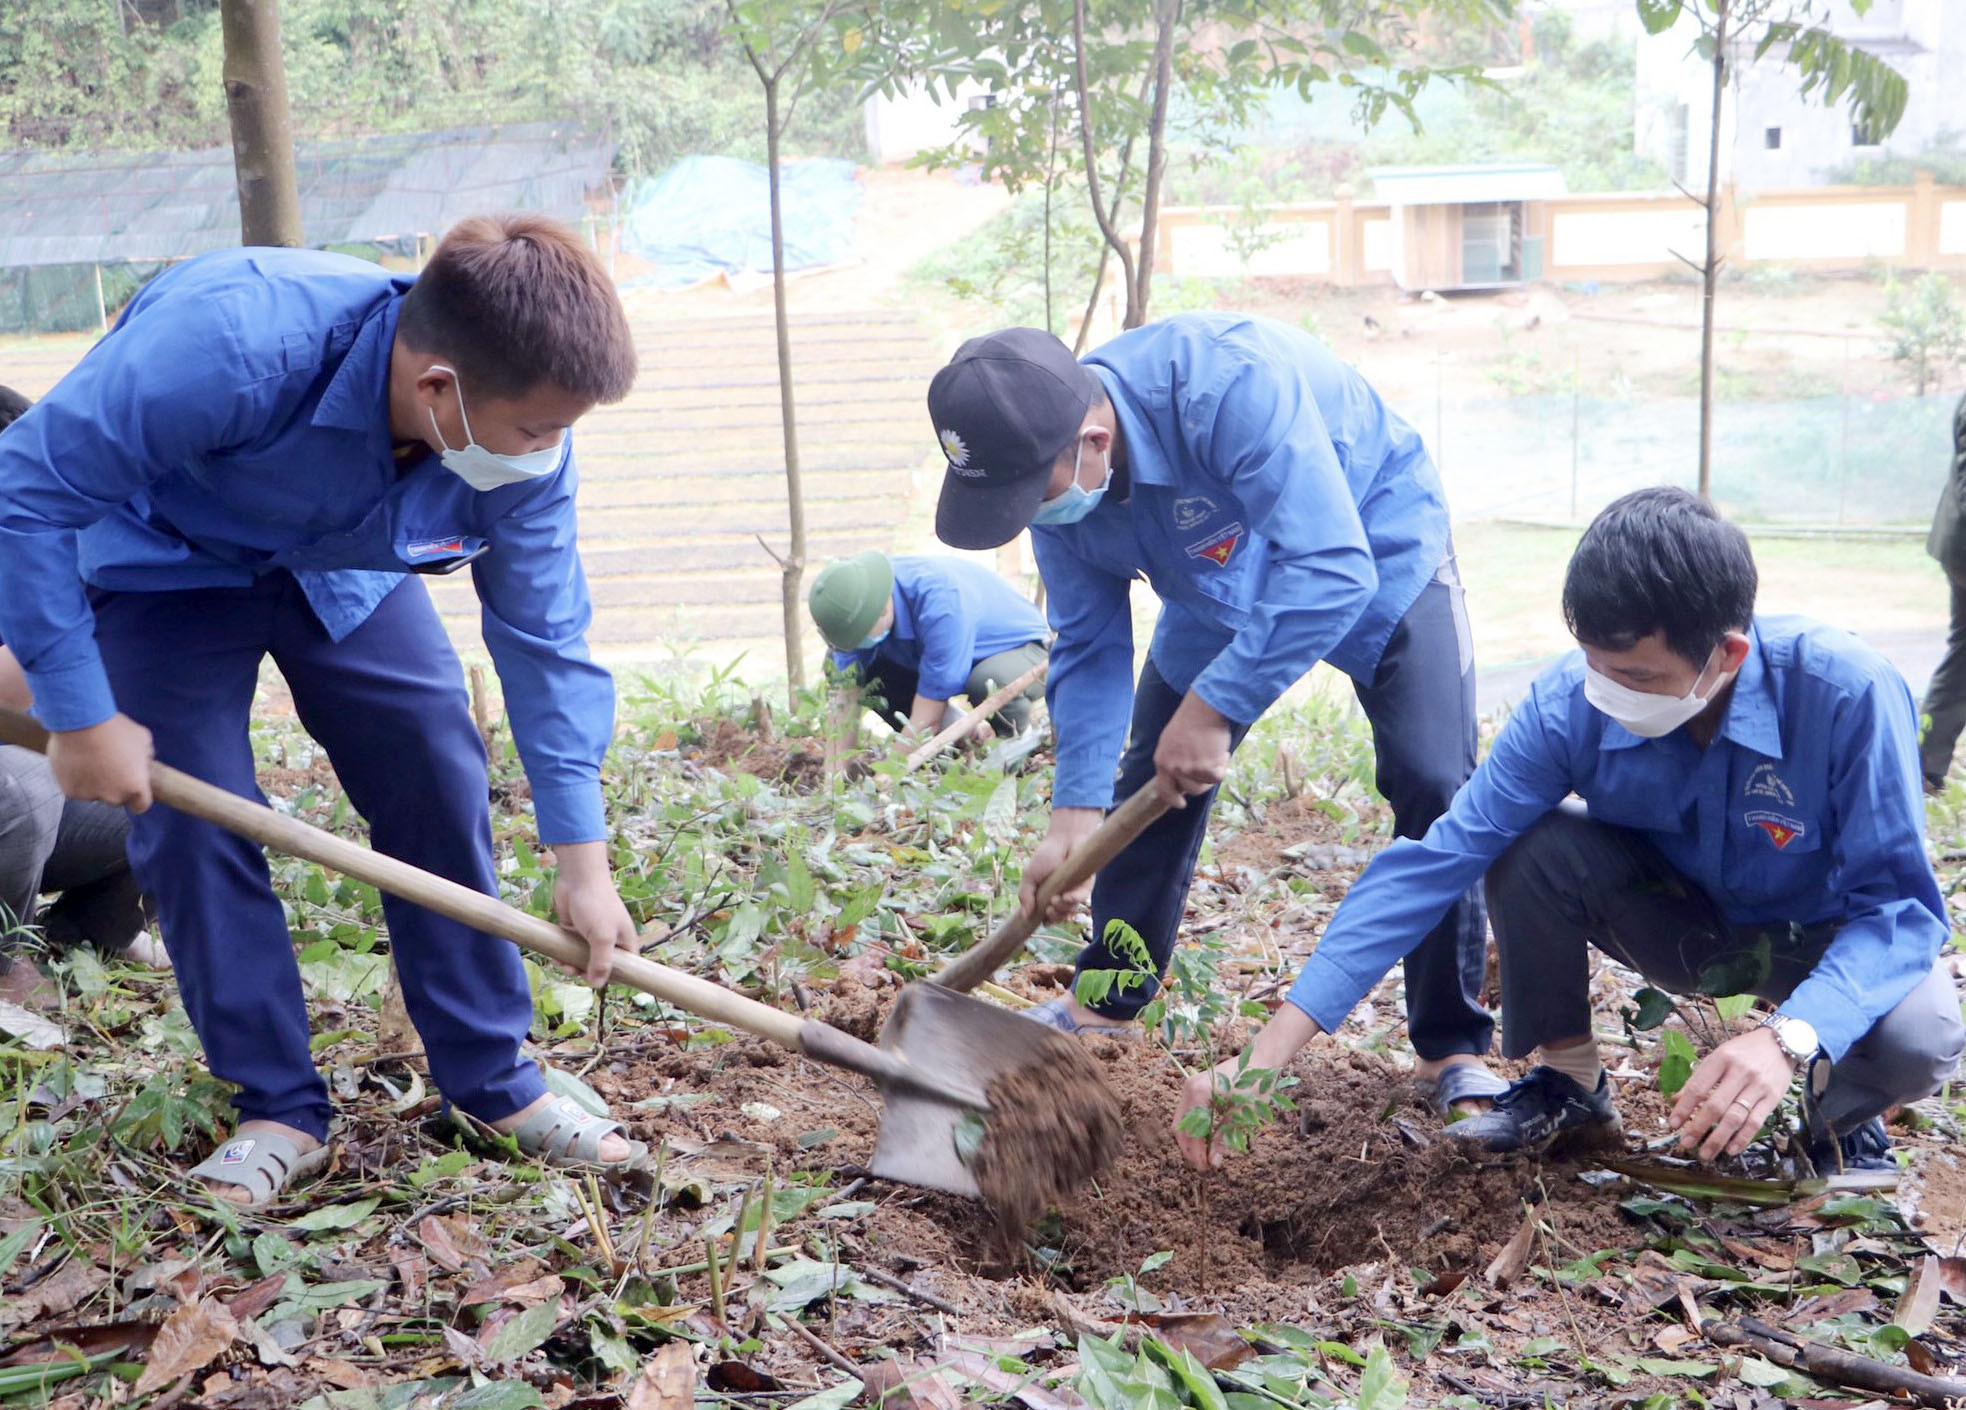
(1924, 329)
(1112, 70)
(262, 135)
(1795, 32)
(793, 46)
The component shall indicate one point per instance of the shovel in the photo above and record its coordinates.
(933, 1078)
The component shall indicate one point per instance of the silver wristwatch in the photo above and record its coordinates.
(1795, 1038)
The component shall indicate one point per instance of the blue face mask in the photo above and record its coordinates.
(1076, 502)
(870, 641)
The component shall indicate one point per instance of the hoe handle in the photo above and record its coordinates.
(261, 824)
(1119, 828)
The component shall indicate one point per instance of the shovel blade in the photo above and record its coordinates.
(964, 1041)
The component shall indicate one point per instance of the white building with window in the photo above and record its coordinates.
(1771, 137)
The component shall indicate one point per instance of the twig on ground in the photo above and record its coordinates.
(888, 1280)
(1829, 1363)
(834, 1357)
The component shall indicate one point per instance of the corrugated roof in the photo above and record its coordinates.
(1467, 185)
(105, 207)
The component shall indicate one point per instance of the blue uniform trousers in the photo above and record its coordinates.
(1422, 709)
(388, 704)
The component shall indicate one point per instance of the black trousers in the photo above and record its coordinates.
(892, 687)
(1570, 883)
(1422, 709)
(1945, 698)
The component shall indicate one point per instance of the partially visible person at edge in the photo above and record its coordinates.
(1284, 516)
(1945, 696)
(260, 459)
(51, 843)
(1751, 823)
(919, 631)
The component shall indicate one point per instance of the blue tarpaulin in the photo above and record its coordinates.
(711, 216)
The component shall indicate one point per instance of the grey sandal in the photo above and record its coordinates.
(1463, 1082)
(564, 1133)
(1057, 1013)
(263, 1164)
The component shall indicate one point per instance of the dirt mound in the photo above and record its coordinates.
(1361, 1174)
(1053, 1126)
(726, 745)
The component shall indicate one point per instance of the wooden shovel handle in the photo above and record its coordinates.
(1120, 827)
(989, 706)
(450, 898)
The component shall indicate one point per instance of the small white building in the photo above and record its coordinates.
(1771, 137)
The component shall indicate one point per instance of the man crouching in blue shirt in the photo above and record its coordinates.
(1752, 821)
(919, 630)
(1284, 516)
(257, 461)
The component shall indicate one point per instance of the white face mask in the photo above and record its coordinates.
(1647, 715)
(486, 469)
(1074, 502)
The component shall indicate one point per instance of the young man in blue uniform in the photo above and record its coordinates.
(1284, 516)
(920, 630)
(257, 461)
(1752, 822)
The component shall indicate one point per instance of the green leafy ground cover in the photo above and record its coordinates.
(1362, 1264)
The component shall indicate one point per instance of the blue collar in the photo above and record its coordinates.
(1145, 465)
(1751, 721)
(361, 384)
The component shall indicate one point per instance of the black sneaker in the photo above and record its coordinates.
(1865, 1148)
(1541, 1109)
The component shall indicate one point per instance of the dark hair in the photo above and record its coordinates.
(12, 404)
(514, 301)
(1660, 560)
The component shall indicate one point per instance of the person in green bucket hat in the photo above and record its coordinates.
(921, 630)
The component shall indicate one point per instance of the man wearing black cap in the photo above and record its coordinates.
(1284, 516)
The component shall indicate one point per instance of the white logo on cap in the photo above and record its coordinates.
(953, 447)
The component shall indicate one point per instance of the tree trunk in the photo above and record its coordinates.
(1710, 271)
(262, 135)
(793, 564)
(1167, 15)
(1115, 241)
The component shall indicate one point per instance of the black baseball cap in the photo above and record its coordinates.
(1003, 409)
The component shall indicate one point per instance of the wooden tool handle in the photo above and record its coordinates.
(473, 908)
(991, 703)
(1120, 827)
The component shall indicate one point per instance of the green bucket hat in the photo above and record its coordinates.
(848, 597)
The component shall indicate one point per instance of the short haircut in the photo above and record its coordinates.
(1660, 560)
(12, 404)
(516, 301)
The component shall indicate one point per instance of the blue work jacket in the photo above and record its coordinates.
(949, 613)
(1807, 807)
(235, 422)
(1281, 512)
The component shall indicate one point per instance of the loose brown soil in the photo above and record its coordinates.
(729, 745)
(1054, 1125)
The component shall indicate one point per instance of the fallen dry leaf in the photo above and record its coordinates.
(1920, 1304)
(500, 1284)
(904, 1383)
(667, 1380)
(1513, 1261)
(255, 1298)
(451, 1243)
(339, 1373)
(191, 1339)
(68, 1287)
(1952, 1278)
(412, 1271)
(985, 1372)
(1209, 1337)
(736, 1378)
